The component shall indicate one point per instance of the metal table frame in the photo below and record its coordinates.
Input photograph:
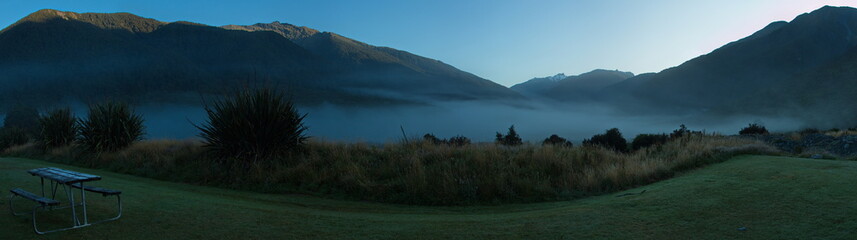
(65, 178)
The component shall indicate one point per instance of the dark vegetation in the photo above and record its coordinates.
(420, 172)
(58, 128)
(556, 140)
(253, 125)
(12, 136)
(457, 141)
(109, 127)
(813, 143)
(611, 139)
(510, 139)
(753, 129)
(648, 140)
(24, 118)
(19, 126)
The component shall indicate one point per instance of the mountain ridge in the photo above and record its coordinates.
(54, 55)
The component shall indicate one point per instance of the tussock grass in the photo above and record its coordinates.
(421, 172)
(110, 126)
(58, 128)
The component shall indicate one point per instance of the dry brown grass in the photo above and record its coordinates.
(420, 172)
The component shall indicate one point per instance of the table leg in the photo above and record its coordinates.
(54, 187)
(70, 195)
(43, 187)
(83, 200)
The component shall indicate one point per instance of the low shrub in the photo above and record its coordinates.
(58, 128)
(430, 138)
(510, 139)
(457, 141)
(611, 139)
(110, 127)
(648, 140)
(23, 118)
(556, 140)
(753, 129)
(12, 136)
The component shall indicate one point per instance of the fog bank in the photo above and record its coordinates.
(478, 121)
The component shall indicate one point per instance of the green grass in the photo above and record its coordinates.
(774, 197)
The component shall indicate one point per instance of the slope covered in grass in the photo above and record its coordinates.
(773, 197)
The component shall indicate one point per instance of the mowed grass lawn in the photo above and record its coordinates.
(772, 197)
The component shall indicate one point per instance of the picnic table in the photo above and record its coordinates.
(68, 180)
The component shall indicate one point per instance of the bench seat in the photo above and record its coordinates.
(28, 195)
(103, 191)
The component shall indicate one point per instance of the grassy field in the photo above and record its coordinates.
(773, 197)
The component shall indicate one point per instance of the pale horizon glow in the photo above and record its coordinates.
(504, 41)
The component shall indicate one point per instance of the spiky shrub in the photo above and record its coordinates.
(253, 124)
(12, 136)
(110, 127)
(58, 128)
(556, 140)
(753, 129)
(510, 139)
(611, 139)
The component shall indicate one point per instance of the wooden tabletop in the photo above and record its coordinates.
(63, 176)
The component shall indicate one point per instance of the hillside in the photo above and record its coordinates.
(384, 67)
(52, 56)
(772, 197)
(772, 60)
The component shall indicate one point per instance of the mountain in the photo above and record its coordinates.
(362, 62)
(536, 86)
(777, 58)
(52, 56)
(566, 88)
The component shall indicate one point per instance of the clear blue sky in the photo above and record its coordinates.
(504, 41)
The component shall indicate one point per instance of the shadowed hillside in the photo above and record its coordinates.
(385, 68)
(51, 56)
(727, 77)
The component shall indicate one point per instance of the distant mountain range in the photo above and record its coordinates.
(52, 56)
(565, 88)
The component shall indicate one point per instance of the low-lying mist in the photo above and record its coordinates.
(478, 121)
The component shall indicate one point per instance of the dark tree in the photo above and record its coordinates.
(611, 139)
(648, 140)
(458, 141)
(510, 139)
(556, 140)
(680, 132)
